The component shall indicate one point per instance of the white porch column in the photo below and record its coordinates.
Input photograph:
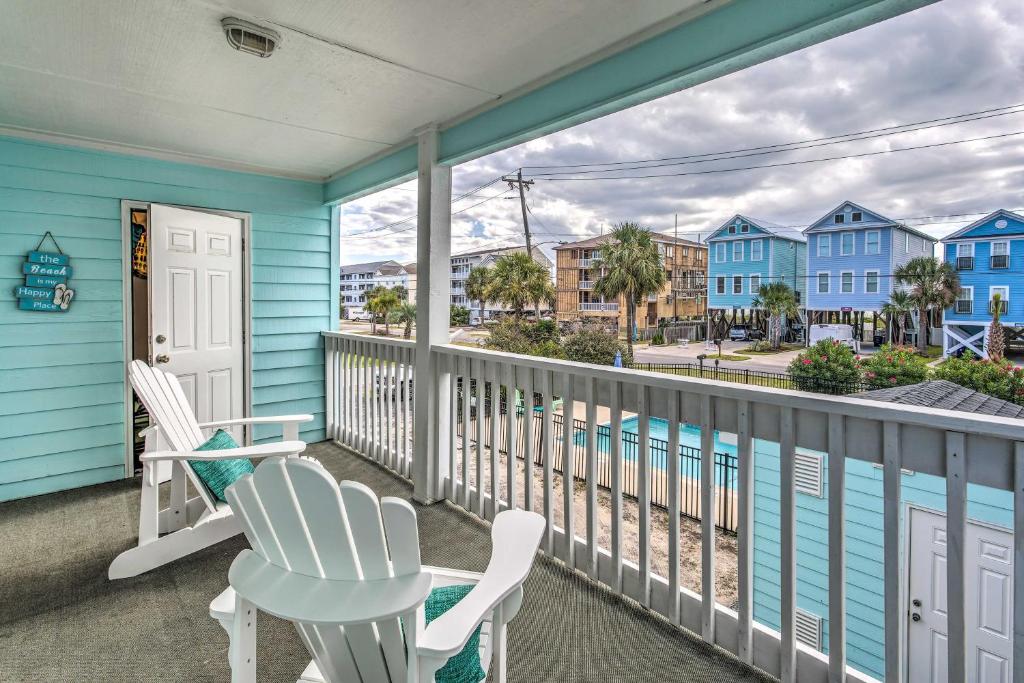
(433, 297)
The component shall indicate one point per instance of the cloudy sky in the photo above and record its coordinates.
(954, 57)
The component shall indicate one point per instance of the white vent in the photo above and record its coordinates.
(807, 472)
(808, 629)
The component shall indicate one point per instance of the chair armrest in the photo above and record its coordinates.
(277, 419)
(515, 538)
(265, 450)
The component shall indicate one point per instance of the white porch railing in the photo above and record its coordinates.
(479, 475)
(586, 284)
(598, 306)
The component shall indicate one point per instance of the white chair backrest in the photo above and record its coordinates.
(161, 393)
(297, 517)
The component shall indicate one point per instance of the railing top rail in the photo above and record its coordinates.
(373, 339)
(859, 408)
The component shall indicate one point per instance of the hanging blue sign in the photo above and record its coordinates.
(46, 276)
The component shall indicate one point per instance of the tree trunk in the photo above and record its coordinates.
(630, 316)
(922, 330)
(536, 310)
(408, 329)
(483, 304)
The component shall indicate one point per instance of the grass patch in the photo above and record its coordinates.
(770, 352)
(932, 352)
(729, 356)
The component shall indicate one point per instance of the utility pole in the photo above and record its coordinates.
(517, 180)
(676, 252)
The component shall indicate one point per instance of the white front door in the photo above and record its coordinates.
(988, 554)
(196, 309)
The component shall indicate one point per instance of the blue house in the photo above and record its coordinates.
(989, 256)
(745, 253)
(851, 255)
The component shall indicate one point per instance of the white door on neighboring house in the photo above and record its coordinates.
(196, 308)
(988, 554)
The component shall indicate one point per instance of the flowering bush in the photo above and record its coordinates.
(996, 378)
(893, 366)
(828, 367)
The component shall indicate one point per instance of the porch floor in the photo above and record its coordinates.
(62, 620)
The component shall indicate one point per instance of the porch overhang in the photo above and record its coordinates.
(707, 42)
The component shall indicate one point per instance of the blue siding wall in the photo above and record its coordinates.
(982, 277)
(858, 263)
(730, 268)
(865, 590)
(62, 374)
(789, 265)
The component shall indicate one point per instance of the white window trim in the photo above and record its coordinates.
(853, 243)
(853, 282)
(828, 282)
(878, 281)
(906, 242)
(744, 228)
(753, 289)
(735, 279)
(969, 251)
(992, 247)
(720, 252)
(824, 239)
(878, 243)
(739, 244)
(720, 285)
(992, 290)
(969, 292)
(760, 250)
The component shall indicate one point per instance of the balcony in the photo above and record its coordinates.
(586, 284)
(597, 307)
(585, 262)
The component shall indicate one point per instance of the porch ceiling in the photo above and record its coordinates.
(351, 78)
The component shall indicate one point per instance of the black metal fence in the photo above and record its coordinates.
(726, 469)
(761, 378)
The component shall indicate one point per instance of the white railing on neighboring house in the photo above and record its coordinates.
(473, 469)
(586, 284)
(369, 396)
(584, 262)
(598, 306)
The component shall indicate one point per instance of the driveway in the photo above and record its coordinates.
(776, 362)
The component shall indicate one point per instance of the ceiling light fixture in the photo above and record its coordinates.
(246, 36)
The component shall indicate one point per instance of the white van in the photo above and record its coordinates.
(844, 333)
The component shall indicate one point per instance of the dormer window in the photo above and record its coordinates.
(732, 229)
(745, 228)
(840, 218)
(857, 217)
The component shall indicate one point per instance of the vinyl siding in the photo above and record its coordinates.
(982, 277)
(865, 562)
(61, 374)
(730, 268)
(858, 263)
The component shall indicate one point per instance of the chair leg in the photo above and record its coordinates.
(498, 649)
(242, 651)
(179, 498)
(149, 512)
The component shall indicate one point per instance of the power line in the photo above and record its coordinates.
(832, 139)
(795, 163)
(365, 234)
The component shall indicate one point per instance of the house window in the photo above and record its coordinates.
(871, 282)
(720, 252)
(737, 284)
(670, 251)
(737, 251)
(840, 218)
(824, 246)
(1004, 298)
(755, 283)
(872, 242)
(732, 229)
(857, 217)
(846, 282)
(823, 283)
(1000, 255)
(756, 250)
(846, 244)
(965, 301)
(720, 284)
(906, 242)
(745, 227)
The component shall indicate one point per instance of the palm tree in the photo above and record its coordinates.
(406, 314)
(996, 334)
(541, 289)
(898, 307)
(381, 301)
(630, 267)
(933, 284)
(777, 300)
(515, 281)
(477, 282)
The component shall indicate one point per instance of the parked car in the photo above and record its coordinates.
(744, 332)
(843, 333)
(360, 314)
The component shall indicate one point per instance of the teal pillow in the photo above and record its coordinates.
(220, 474)
(465, 666)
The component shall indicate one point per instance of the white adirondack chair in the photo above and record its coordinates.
(186, 525)
(344, 568)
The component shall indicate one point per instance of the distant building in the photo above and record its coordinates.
(851, 255)
(989, 256)
(410, 270)
(359, 278)
(683, 296)
(745, 253)
(462, 263)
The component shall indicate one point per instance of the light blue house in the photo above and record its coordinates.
(851, 255)
(988, 254)
(745, 253)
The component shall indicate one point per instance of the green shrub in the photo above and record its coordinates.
(458, 316)
(893, 366)
(595, 346)
(828, 367)
(529, 339)
(995, 378)
(658, 339)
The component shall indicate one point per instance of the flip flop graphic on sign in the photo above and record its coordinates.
(46, 276)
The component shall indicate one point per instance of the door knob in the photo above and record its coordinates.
(160, 339)
(915, 616)
(163, 358)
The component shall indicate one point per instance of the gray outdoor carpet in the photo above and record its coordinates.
(62, 620)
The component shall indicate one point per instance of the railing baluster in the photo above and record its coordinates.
(330, 377)
(364, 399)
(891, 464)
(512, 432)
(591, 448)
(547, 436)
(568, 470)
(452, 365)
(836, 548)
(956, 532)
(465, 365)
(672, 471)
(528, 413)
(380, 385)
(481, 392)
(386, 397)
(394, 406)
(707, 517)
(643, 459)
(1018, 562)
(615, 457)
(787, 519)
(402, 399)
(410, 407)
(745, 532)
(351, 394)
(495, 468)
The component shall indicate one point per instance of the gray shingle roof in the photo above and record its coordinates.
(939, 393)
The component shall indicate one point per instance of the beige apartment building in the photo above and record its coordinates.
(683, 296)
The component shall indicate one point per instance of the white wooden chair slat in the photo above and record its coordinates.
(350, 625)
